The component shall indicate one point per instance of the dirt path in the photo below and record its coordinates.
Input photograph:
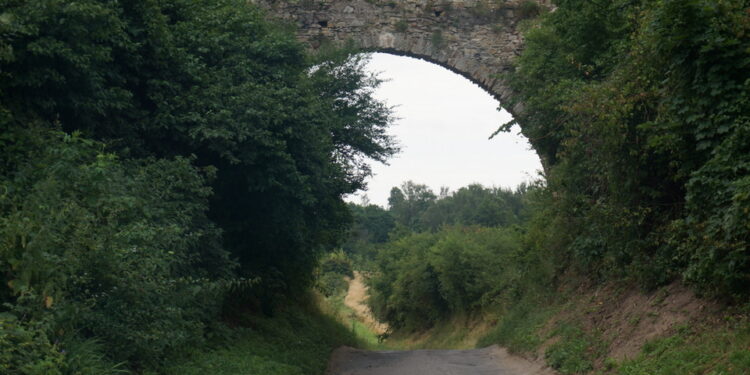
(355, 299)
(488, 361)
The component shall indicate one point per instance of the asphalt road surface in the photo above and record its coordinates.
(488, 361)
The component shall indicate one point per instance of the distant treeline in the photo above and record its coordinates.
(415, 207)
(161, 162)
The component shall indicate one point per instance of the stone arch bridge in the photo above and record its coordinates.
(475, 38)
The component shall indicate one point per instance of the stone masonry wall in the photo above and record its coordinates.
(475, 38)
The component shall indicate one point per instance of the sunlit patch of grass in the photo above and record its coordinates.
(366, 337)
(458, 332)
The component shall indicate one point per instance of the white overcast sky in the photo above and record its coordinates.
(444, 122)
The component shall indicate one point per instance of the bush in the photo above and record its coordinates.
(331, 284)
(119, 251)
(333, 268)
(200, 140)
(25, 348)
(639, 111)
(337, 262)
(424, 277)
(575, 352)
(519, 325)
(529, 9)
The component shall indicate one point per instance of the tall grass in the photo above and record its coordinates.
(518, 328)
(296, 341)
(334, 306)
(695, 351)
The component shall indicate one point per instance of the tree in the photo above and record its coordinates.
(640, 110)
(472, 205)
(156, 155)
(408, 203)
(287, 134)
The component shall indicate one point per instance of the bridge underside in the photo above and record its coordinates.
(477, 39)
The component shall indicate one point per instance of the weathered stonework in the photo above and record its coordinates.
(475, 38)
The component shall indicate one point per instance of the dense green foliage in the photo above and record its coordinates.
(371, 228)
(103, 246)
(575, 351)
(416, 207)
(331, 273)
(214, 80)
(426, 277)
(519, 325)
(639, 112)
(639, 109)
(161, 161)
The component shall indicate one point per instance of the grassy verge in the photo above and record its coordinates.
(518, 328)
(575, 351)
(335, 306)
(458, 332)
(525, 326)
(718, 346)
(695, 351)
(297, 341)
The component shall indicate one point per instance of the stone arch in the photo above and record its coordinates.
(477, 39)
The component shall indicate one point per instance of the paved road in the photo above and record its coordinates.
(488, 361)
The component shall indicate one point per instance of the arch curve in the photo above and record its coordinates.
(477, 39)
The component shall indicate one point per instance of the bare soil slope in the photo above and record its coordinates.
(628, 319)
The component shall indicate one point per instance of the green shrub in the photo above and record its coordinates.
(332, 270)
(331, 284)
(25, 348)
(113, 250)
(529, 9)
(575, 351)
(84, 357)
(639, 111)
(404, 291)
(519, 325)
(337, 262)
(422, 278)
